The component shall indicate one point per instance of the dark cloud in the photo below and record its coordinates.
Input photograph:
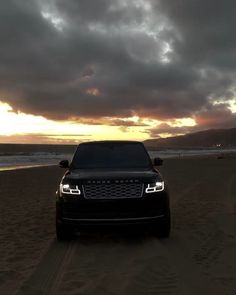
(167, 129)
(214, 117)
(126, 123)
(81, 59)
(205, 30)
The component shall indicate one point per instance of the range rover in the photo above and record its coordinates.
(110, 183)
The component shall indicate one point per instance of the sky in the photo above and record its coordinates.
(79, 70)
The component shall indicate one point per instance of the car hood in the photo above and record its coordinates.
(140, 175)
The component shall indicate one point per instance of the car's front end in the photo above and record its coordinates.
(118, 198)
(111, 196)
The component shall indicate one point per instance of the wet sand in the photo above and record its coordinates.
(198, 258)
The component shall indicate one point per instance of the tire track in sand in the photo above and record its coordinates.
(169, 271)
(157, 276)
(181, 247)
(46, 277)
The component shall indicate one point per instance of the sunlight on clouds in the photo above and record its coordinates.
(93, 91)
(4, 107)
(51, 14)
(21, 124)
(151, 122)
(166, 49)
(165, 135)
(27, 127)
(12, 123)
(55, 20)
(186, 122)
(232, 105)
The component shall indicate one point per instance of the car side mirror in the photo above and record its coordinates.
(157, 161)
(64, 164)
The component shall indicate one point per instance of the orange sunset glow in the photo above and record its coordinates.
(28, 128)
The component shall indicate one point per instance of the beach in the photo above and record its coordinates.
(198, 258)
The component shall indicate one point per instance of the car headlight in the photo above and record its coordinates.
(155, 187)
(69, 189)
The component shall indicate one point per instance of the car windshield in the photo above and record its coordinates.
(111, 155)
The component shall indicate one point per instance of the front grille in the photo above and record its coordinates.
(113, 191)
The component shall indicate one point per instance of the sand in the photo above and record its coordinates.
(198, 258)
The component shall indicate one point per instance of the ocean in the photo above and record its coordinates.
(16, 156)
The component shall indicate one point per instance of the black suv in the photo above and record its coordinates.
(111, 183)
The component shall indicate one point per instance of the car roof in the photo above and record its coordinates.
(112, 141)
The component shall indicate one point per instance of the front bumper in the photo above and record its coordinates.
(83, 212)
(110, 221)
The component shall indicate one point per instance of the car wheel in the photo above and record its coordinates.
(63, 232)
(162, 228)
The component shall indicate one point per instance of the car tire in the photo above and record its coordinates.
(162, 228)
(63, 232)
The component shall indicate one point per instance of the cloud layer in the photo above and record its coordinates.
(87, 60)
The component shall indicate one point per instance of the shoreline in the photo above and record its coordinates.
(15, 161)
(181, 156)
(19, 167)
